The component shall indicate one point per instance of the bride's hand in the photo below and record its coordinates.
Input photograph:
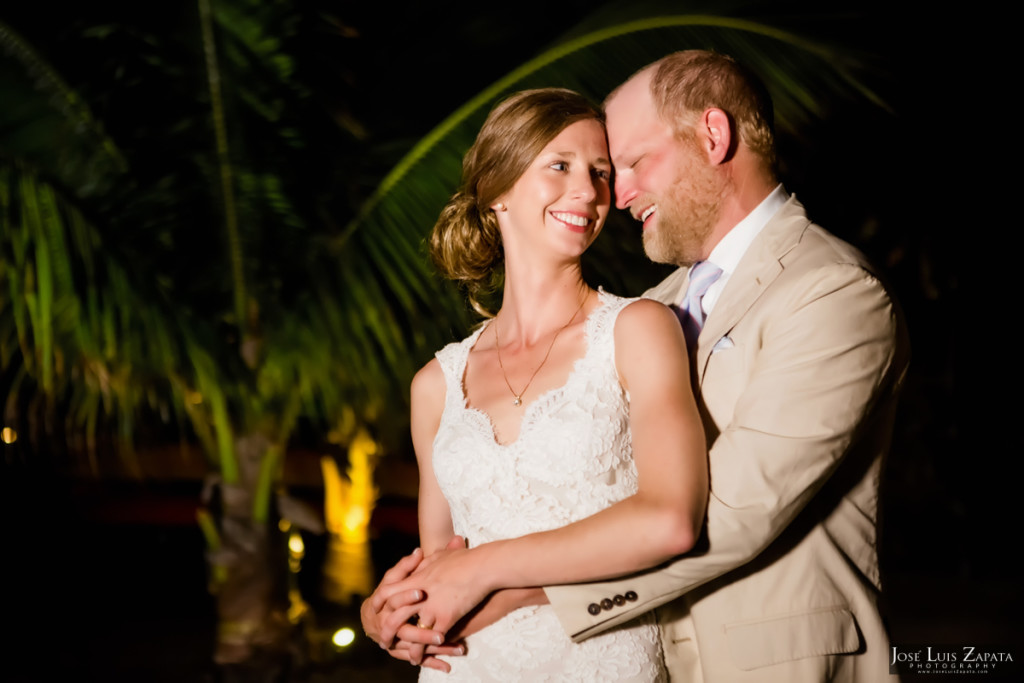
(453, 584)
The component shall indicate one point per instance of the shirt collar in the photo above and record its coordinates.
(728, 252)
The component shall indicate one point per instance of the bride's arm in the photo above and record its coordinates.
(435, 523)
(427, 403)
(662, 519)
(659, 522)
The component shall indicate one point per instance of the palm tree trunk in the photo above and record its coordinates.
(252, 594)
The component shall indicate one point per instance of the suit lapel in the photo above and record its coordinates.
(756, 271)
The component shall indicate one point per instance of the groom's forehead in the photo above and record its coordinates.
(630, 98)
(633, 121)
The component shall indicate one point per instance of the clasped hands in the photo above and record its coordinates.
(423, 607)
(418, 602)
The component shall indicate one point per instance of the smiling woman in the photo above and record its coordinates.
(564, 194)
(466, 244)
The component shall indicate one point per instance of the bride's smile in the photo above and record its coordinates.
(561, 201)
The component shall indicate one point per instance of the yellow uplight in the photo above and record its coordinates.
(8, 435)
(348, 506)
(344, 637)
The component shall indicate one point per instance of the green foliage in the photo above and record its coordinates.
(116, 298)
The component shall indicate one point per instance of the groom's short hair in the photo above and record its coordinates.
(685, 84)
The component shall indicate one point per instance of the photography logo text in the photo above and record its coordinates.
(950, 659)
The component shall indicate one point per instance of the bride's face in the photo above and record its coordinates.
(561, 201)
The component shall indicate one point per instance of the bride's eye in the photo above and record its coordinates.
(560, 166)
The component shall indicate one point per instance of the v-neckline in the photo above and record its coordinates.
(546, 396)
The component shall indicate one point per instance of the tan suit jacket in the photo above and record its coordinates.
(797, 369)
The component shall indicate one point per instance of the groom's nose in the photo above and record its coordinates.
(625, 189)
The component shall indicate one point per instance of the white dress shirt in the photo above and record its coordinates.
(728, 252)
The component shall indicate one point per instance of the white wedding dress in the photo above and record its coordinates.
(572, 459)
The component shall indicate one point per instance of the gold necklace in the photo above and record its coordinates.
(517, 399)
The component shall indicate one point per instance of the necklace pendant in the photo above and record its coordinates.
(517, 401)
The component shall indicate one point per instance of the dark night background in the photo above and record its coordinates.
(104, 577)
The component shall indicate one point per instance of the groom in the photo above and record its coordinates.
(798, 353)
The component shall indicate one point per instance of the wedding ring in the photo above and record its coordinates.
(420, 624)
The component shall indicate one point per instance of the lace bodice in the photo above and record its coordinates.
(499, 491)
(572, 458)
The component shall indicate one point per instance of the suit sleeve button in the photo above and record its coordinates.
(606, 604)
(619, 600)
(594, 608)
(631, 596)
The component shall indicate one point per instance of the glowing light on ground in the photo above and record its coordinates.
(8, 435)
(344, 637)
(295, 544)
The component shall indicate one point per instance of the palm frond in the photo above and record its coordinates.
(45, 122)
(75, 322)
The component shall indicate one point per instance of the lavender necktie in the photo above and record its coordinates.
(690, 312)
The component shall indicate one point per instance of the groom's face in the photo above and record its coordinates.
(661, 177)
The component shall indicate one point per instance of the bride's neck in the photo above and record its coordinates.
(535, 303)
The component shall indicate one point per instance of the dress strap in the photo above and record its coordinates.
(600, 329)
(453, 358)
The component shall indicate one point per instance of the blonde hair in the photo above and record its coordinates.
(465, 244)
(685, 84)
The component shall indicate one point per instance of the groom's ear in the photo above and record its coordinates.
(715, 134)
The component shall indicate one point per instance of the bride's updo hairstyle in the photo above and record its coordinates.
(466, 244)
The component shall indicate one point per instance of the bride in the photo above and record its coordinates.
(567, 416)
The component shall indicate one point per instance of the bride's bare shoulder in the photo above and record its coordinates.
(649, 342)
(644, 316)
(428, 383)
